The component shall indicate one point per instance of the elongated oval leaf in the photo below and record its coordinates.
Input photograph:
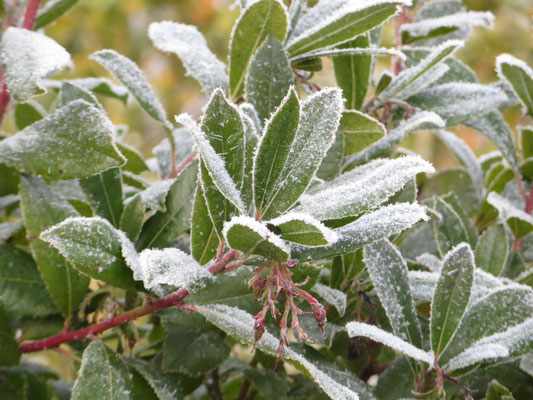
(333, 296)
(132, 218)
(263, 18)
(52, 10)
(303, 229)
(492, 249)
(204, 239)
(360, 131)
(519, 75)
(9, 348)
(448, 228)
(520, 222)
(104, 192)
(74, 142)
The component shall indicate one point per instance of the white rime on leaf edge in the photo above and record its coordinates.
(329, 234)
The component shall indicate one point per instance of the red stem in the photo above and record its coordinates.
(175, 171)
(65, 337)
(219, 265)
(31, 14)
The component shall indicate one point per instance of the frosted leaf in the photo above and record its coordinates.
(130, 75)
(239, 324)
(172, 267)
(249, 111)
(28, 57)
(165, 386)
(526, 363)
(399, 87)
(519, 75)
(298, 227)
(517, 339)
(154, 197)
(353, 196)
(296, 9)
(333, 296)
(430, 261)
(520, 222)
(466, 156)
(359, 51)
(101, 86)
(317, 13)
(190, 46)
(460, 20)
(372, 226)
(388, 339)
(476, 354)
(421, 120)
(7, 229)
(213, 162)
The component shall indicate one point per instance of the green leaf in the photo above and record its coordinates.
(274, 148)
(492, 249)
(526, 141)
(192, 351)
(333, 296)
(28, 113)
(94, 248)
(9, 348)
(74, 142)
(384, 81)
(520, 222)
(345, 268)
(155, 195)
(22, 291)
(319, 119)
(448, 228)
(135, 162)
(132, 77)
(451, 295)
(132, 218)
(353, 73)
(252, 237)
(52, 10)
(163, 228)
(388, 271)
(396, 382)
(496, 391)
(331, 163)
(302, 229)
(190, 46)
(101, 86)
(519, 75)
(268, 78)
(360, 131)
(42, 208)
(372, 226)
(204, 239)
(268, 383)
(342, 25)
(71, 92)
(27, 58)
(256, 23)
(104, 192)
(103, 375)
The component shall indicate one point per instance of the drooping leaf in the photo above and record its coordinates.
(42, 208)
(451, 295)
(73, 142)
(190, 46)
(28, 57)
(129, 74)
(9, 348)
(132, 218)
(302, 229)
(252, 237)
(519, 75)
(360, 131)
(164, 227)
(104, 192)
(263, 18)
(204, 239)
(388, 271)
(520, 222)
(52, 10)
(492, 249)
(268, 78)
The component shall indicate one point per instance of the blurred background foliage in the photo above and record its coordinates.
(122, 25)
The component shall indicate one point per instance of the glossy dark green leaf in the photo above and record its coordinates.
(9, 348)
(204, 239)
(492, 249)
(42, 209)
(132, 218)
(104, 192)
(268, 78)
(263, 18)
(448, 228)
(302, 229)
(360, 131)
(52, 10)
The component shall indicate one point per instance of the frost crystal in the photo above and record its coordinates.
(154, 197)
(29, 56)
(388, 339)
(458, 20)
(333, 296)
(476, 354)
(191, 47)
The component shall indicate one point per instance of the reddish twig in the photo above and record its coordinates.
(53, 341)
(30, 15)
(175, 171)
(219, 265)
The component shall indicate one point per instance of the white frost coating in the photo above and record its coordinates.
(239, 324)
(213, 162)
(352, 198)
(526, 363)
(190, 46)
(329, 235)
(388, 339)
(488, 156)
(154, 197)
(515, 62)
(518, 338)
(364, 51)
(476, 354)
(424, 119)
(506, 209)
(430, 261)
(459, 20)
(172, 267)
(333, 296)
(28, 57)
(256, 227)
(336, 10)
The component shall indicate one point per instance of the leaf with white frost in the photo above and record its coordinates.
(333, 296)
(154, 197)
(129, 74)
(356, 329)
(372, 226)
(360, 131)
(213, 162)
(351, 195)
(519, 75)
(520, 222)
(28, 57)
(303, 229)
(51, 11)
(350, 51)
(476, 354)
(421, 120)
(448, 228)
(252, 237)
(76, 141)
(492, 250)
(190, 46)
(517, 339)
